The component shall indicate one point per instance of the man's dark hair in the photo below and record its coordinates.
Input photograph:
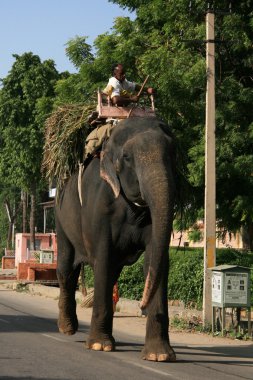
(115, 66)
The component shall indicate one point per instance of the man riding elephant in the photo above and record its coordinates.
(121, 93)
(121, 90)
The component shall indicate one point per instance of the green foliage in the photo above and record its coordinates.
(179, 323)
(154, 43)
(131, 281)
(158, 46)
(186, 272)
(25, 101)
(195, 235)
(186, 276)
(185, 282)
(89, 277)
(22, 288)
(78, 51)
(234, 257)
(131, 4)
(69, 90)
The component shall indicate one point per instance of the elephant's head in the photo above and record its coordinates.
(137, 161)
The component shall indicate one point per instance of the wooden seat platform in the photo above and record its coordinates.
(106, 110)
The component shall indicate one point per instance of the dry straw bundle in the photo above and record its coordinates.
(65, 134)
(88, 299)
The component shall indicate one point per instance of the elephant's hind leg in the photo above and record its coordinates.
(100, 337)
(67, 321)
(67, 276)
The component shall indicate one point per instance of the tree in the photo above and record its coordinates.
(9, 215)
(79, 87)
(177, 66)
(170, 47)
(78, 51)
(26, 99)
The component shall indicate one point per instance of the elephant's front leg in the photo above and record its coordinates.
(157, 344)
(100, 338)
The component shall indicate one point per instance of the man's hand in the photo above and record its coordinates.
(134, 98)
(150, 91)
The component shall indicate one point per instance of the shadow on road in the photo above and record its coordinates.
(218, 354)
(28, 378)
(27, 323)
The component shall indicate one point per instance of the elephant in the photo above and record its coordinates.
(127, 208)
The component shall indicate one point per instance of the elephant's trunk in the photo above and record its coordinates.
(157, 188)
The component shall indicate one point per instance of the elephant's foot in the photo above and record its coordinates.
(106, 344)
(68, 325)
(162, 355)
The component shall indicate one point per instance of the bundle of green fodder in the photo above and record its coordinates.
(65, 133)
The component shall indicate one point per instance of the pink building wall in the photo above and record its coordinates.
(179, 239)
(22, 242)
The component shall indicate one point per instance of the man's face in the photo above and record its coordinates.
(119, 73)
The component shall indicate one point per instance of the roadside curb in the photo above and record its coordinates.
(130, 307)
(124, 305)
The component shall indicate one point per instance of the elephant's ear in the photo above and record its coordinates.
(108, 173)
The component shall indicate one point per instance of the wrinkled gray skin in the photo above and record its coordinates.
(127, 208)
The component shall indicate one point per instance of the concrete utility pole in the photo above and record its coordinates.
(210, 176)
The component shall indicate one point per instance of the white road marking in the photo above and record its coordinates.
(53, 337)
(151, 369)
(3, 320)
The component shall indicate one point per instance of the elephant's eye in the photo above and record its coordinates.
(126, 157)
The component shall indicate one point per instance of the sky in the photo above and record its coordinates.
(43, 27)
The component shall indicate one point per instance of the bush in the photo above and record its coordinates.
(88, 277)
(195, 235)
(131, 281)
(185, 282)
(234, 257)
(186, 272)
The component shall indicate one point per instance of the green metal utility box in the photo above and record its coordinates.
(231, 288)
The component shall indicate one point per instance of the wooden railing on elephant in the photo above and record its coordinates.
(107, 110)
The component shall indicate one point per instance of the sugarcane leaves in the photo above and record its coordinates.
(65, 134)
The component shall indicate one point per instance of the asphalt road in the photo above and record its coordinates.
(32, 348)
